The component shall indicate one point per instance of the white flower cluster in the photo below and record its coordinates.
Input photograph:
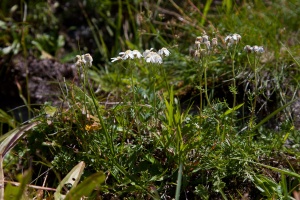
(208, 45)
(85, 59)
(232, 39)
(149, 55)
(127, 55)
(255, 49)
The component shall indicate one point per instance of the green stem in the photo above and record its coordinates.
(201, 100)
(205, 82)
(152, 82)
(234, 85)
(24, 32)
(165, 79)
(255, 88)
(179, 180)
(233, 77)
(108, 139)
(84, 88)
(134, 103)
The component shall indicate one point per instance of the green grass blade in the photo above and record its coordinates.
(16, 193)
(24, 180)
(7, 119)
(86, 187)
(10, 139)
(284, 186)
(205, 11)
(72, 178)
(289, 51)
(179, 180)
(1, 178)
(283, 171)
(230, 110)
(271, 115)
(228, 5)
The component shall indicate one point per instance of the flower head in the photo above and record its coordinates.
(127, 54)
(248, 49)
(229, 41)
(146, 52)
(236, 37)
(258, 49)
(261, 49)
(87, 59)
(137, 54)
(116, 59)
(205, 38)
(198, 44)
(255, 49)
(214, 42)
(199, 39)
(207, 44)
(153, 57)
(232, 39)
(78, 58)
(200, 53)
(164, 51)
(79, 61)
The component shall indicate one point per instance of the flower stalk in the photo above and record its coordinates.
(233, 40)
(256, 50)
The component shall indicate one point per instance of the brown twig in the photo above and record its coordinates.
(31, 186)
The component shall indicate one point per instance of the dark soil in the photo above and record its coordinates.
(44, 77)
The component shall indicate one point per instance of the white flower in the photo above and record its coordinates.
(236, 37)
(229, 37)
(214, 42)
(207, 44)
(87, 59)
(137, 54)
(258, 49)
(153, 57)
(200, 53)
(116, 59)
(127, 54)
(255, 49)
(229, 40)
(79, 61)
(261, 49)
(78, 58)
(198, 44)
(146, 52)
(197, 53)
(164, 51)
(248, 48)
(232, 39)
(205, 38)
(199, 39)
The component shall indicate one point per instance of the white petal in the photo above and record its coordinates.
(228, 38)
(131, 56)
